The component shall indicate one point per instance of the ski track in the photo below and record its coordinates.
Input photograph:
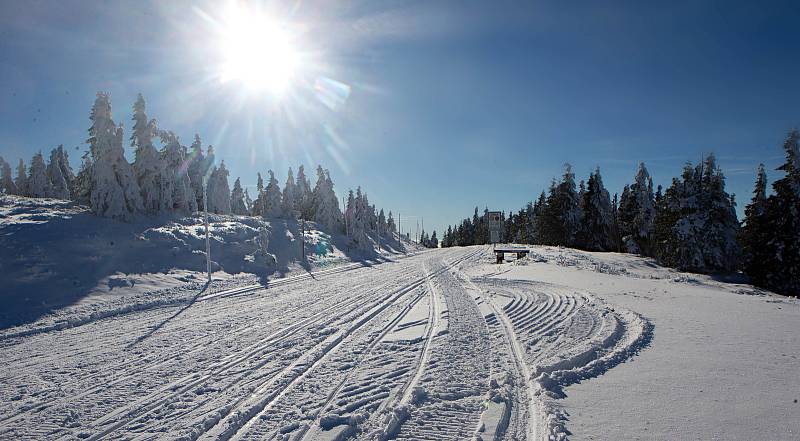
(412, 350)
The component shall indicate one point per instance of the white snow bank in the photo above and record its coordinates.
(54, 253)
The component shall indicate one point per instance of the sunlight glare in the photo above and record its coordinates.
(258, 52)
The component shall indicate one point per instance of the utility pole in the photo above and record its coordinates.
(205, 221)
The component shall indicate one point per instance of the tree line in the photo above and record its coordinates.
(174, 179)
(692, 225)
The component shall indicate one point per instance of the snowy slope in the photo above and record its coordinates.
(440, 345)
(722, 363)
(54, 253)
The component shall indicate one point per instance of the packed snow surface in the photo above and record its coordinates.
(439, 345)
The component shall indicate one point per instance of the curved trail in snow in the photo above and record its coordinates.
(412, 350)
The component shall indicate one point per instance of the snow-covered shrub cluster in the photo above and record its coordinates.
(179, 180)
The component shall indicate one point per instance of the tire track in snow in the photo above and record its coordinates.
(242, 432)
(262, 348)
(132, 373)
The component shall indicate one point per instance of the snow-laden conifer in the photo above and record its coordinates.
(198, 168)
(288, 199)
(7, 184)
(58, 188)
(238, 205)
(114, 191)
(272, 197)
(147, 163)
(326, 204)
(219, 194)
(38, 184)
(21, 182)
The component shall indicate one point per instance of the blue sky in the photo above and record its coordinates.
(450, 104)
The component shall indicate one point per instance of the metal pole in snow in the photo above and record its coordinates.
(205, 221)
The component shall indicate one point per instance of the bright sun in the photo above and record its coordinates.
(258, 52)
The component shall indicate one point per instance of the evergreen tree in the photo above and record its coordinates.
(22, 179)
(38, 184)
(303, 196)
(82, 185)
(326, 210)
(114, 191)
(289, 195)
(637, 212)
(539, 226)
(391, 227)
(272, 197)
(7, 184)
(147, 164)
(696, 225)
(198, 168)
(259, 206)
(774, 261)
(349, 213)
(597, 216)
(360, 221)
(382, 226)
(238, 205)
(755, 234)
(219, 194)
(434, 241)
(58, 188)
(176, 188)
(248, 202)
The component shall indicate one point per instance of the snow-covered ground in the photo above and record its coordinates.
(435, 345)
(722, 363)
(55, 254)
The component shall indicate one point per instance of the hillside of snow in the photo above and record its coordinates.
(722, 362)
(55, 253)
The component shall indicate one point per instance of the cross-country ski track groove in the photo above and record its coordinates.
(412, 350)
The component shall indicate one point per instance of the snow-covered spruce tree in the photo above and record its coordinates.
(561, 215)
(382, 226)
(303, 197)
(147, 163)
(238, 205)
(434, 241)
(21, 181)
(755, 235)
(7, 184)
(538, 230)
(780, 250)
(288, 200)
(198, 167)
(326, 204)
(551, 229)
(38, 184)
(177, 193)
(637, 214)
(114, 191)
(360, 221)
(66, 169)
(272, 198)
(82, 185)
(350, 213)
(391, 227)
(696, 225)
(59, 188)
(257, 209)
(248, 202)
(219, 194)
(597, 215)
